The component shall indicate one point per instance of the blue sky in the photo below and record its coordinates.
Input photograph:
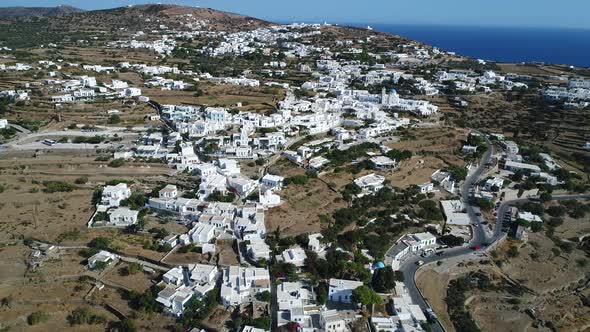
(525, 13)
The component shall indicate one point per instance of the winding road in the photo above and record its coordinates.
(479, 237)
(479, 234)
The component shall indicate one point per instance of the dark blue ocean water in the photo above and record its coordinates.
(549, 45)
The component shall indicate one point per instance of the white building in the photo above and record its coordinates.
(493, 183)
(510, 147)
(314, 243)
(272, 181)
(168, 192)
(258, 249)
(242, 185)
(241, 284)
(529, 217)
(427, 187)
(202, 233)
(516, 166)
(340, 290)
(407, 244)
(122, 216)
(295, 256)
(228, 167)
(205, 170)
(101, 257)
(454, 213)
(332, 321)
(369, 184)
(249, 328)
(383, 163)
(113, 195)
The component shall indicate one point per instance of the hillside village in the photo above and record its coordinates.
(202, 140)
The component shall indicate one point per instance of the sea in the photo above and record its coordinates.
(501, 44)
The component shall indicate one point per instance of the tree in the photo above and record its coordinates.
(131, 269)
(99, 266)
(114, 119)
(536, 226)
(37, 317)
(321, 291)
(135, 202)
(513, 252)
(545, 197)
(399, 276)
(459, 173)
(127, 325)
(383, 279)
(263, 296)
(556, 211)
(236, 323)
(100, 243)
(83, 315)
(115, 163)
(365, 296)
(484, 204)
(81, 180)
(451, 240)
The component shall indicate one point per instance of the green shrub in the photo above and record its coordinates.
(37, 317)
(81, 180)
(57, 186)
(117, 162)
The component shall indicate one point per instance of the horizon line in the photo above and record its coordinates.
(354, 23)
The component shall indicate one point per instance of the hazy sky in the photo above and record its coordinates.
(527, 13)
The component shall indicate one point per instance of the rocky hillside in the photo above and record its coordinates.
(142, 17)
(14, 12)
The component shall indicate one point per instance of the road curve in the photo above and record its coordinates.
(479, 237)
(410, 267)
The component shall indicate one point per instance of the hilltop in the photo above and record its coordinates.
(13, 12)
(139, 17)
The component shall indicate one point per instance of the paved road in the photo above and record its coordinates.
(32, 141)
(479, 234)
(479, 237)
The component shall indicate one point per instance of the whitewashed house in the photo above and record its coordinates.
(369, 184)
(340, 290)
(102, 257)
(240, 284)
(113, 195)
(270, 181)
(122, 217)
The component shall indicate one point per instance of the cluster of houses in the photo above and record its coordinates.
(183, 283)
(245, 42)
(109, 212)
(470, 81)
(86, 88)
(575, 95)
(408, 244)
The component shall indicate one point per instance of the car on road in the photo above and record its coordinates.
(477, 247)
(420, 263)
(430, 314)
(478, 214)
(440, 253)
(427, 253)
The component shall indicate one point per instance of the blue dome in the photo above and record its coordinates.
(379, 265)
(393, 91)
